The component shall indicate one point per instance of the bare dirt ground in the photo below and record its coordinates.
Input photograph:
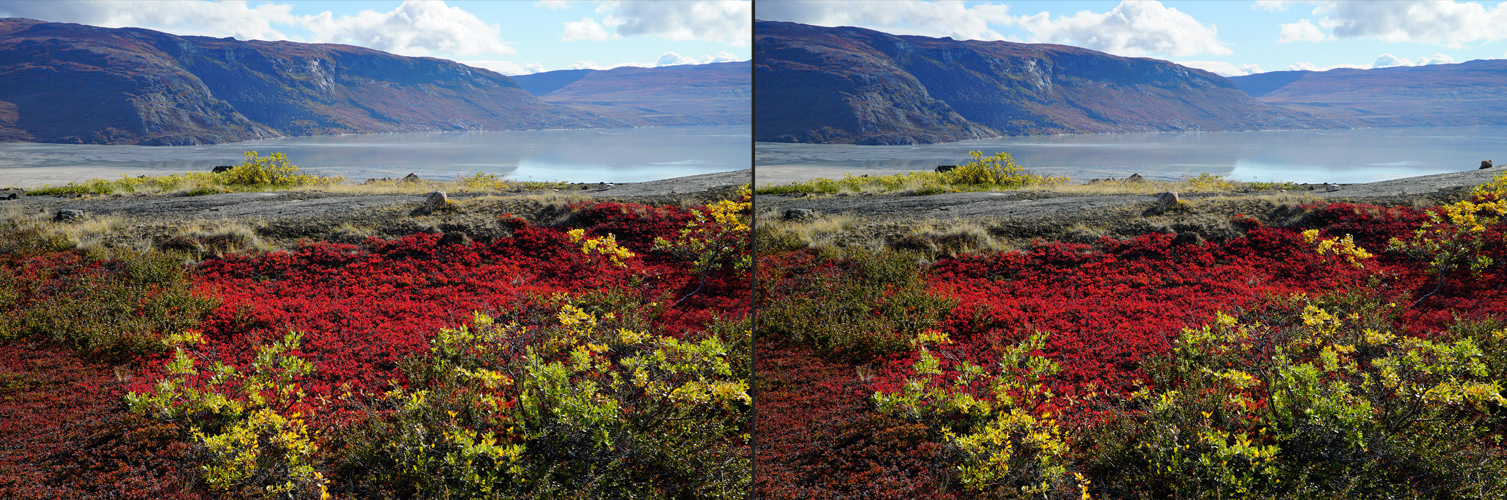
(1013, 218)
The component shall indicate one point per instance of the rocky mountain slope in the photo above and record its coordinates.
(1469, 93)
(72, 83)
(853, 85)
(701, 94)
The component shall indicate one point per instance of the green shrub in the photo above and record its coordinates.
(1317, 399)
(271, 170)
(1002, 441)
(868, 304)
(112, 308)
(591, 406)
(250, 441)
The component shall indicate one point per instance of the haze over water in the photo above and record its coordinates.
(1340, 156)
(597, 155)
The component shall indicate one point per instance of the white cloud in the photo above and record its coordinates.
(414, 28)
(1270, 5)
(901, 17)
(1303, 66)
(1389, 61)
(594, 65)
(1448, 23)
(1133, 28)
(674, 59)
(553, 4)
(195, 17)
(721, 56)
(1301, 31)
(505, 67)
(724, 21)
(1222, 68)
(585, 29)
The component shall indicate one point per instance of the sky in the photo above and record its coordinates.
(1227, 37)
(510, 37)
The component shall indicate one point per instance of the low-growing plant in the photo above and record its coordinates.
(107, 307)
(991, 173)
(248, 424)
(717, 237)
(590, 406)
(272, 170)
(860, 305)
(1313, 398)
(996, 420)
(1453, 238)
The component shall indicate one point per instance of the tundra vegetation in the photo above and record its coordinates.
(999, 172)
(1355, 351)
(604, 355)
(274, 172)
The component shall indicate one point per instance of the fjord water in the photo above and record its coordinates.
(1340, 156)
(596, 155)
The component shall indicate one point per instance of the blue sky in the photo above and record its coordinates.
(1227, 37)
(511, 37)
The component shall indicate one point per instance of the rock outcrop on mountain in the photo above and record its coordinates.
(1468, 93)
(71, 83)
(853, 85)
(699, 94)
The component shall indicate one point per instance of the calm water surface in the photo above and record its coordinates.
(611, 155)
(1342, 156)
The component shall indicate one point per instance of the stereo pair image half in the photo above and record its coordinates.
(432, 251)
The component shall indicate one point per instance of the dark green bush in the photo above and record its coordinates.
(590, 406)
(108, 307)
(863, 304)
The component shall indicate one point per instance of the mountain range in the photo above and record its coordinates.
(1468, 93)
(71, 83)
(854, 85)
(700, 94)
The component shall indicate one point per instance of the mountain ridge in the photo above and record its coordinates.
(855, 85)
(72, 83)
(691, 94)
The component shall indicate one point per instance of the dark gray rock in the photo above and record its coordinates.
(798, 214)
(1485, 164)
(69, 215)
(222, 169)
(945, 168)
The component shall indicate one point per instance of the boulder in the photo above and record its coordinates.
(222, 169)
(67, 215)
(1167, 201)
(1485, 164)
(1331, 187)
(798, 214)
(945, 168)
(1135, 178)
(411, 178)
(436, 201)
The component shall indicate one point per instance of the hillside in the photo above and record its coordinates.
(853, 85)
(1469, 93)
(700, 94)
(71, 83)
